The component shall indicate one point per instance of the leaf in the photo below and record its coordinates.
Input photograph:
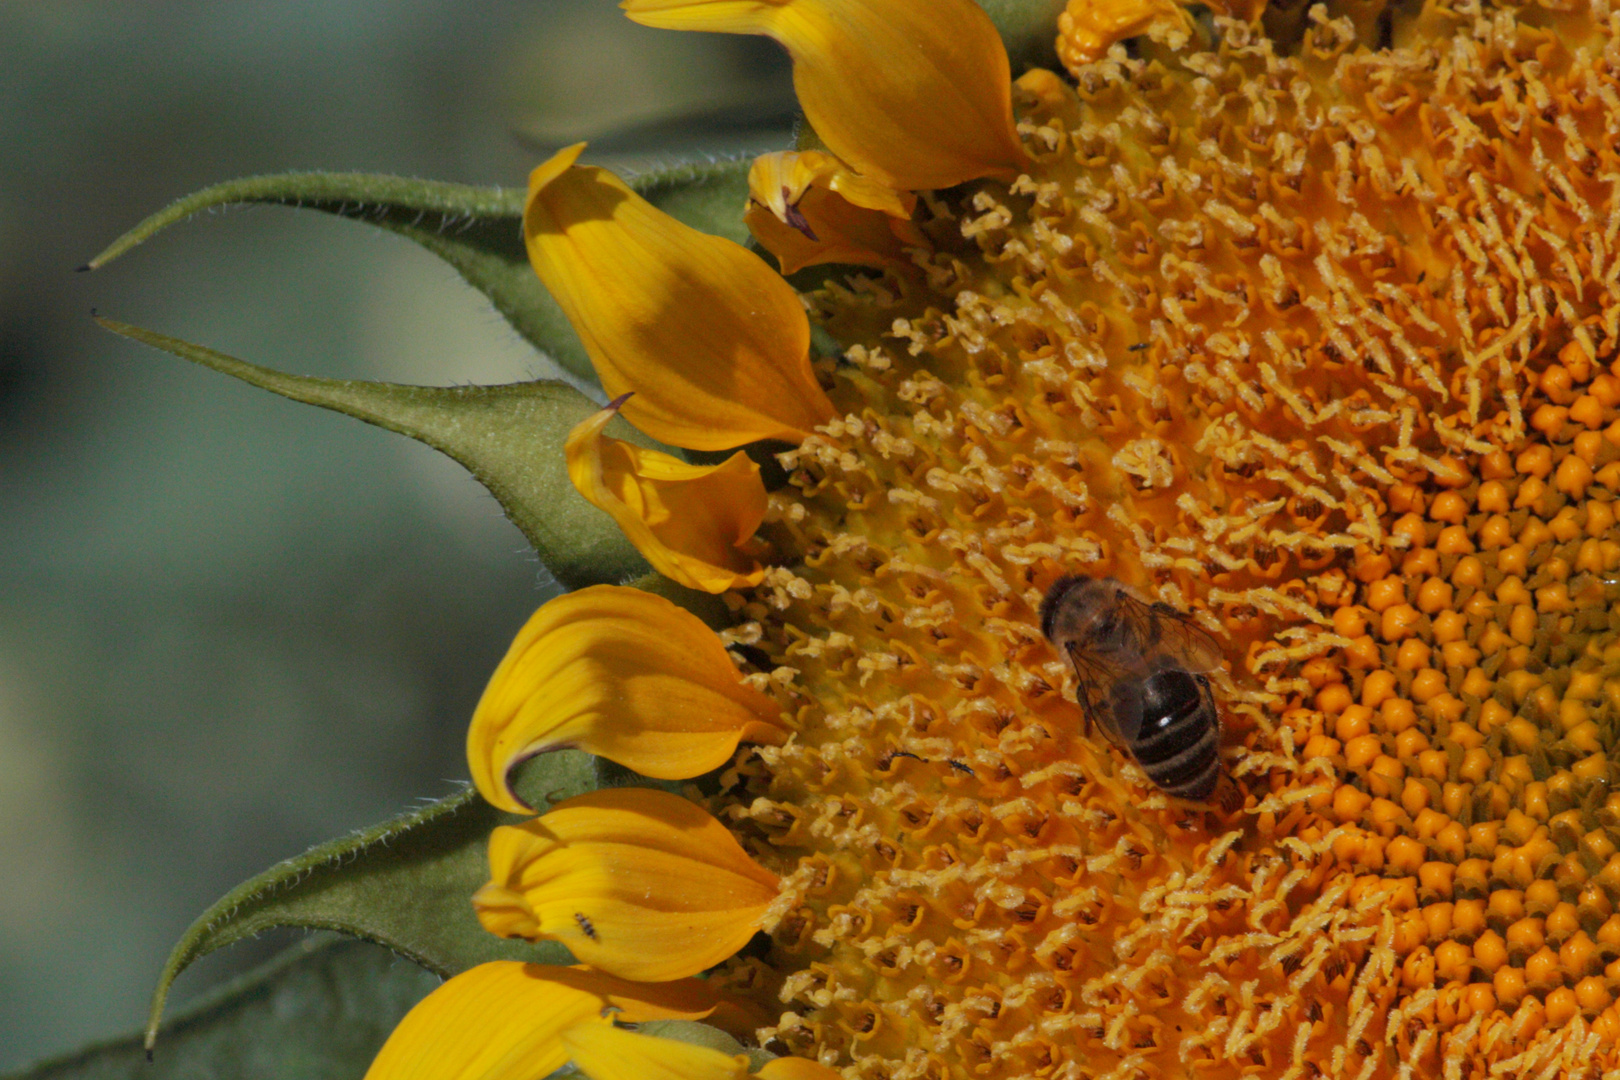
(406, 884)
(1028, 29)
(319, 1011)
(509, 437)
(478, 231)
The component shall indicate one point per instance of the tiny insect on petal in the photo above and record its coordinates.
(665, 889)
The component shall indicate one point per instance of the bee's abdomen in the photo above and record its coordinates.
(1178, 745)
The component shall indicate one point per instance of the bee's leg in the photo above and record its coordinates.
(1227, 794)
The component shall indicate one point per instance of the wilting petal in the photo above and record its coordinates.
(715, 346)
(609, 1053)
(623, 674)
(692, 522)
(808, 208)
(915, 93)
(636, 882)
(1087, 28)
(505, 1020)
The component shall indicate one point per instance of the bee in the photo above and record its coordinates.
(1139, 672)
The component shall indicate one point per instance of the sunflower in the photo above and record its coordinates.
(1301, 325)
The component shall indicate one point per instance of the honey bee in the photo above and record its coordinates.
(1139, 672)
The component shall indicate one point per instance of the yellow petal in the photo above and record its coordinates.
(780, 179)
(797, 1068)
(808, 208)
(636, 882)
(504, 1020)
(915, 93)
(623, 674)
(609, 1053)
(715, 346)
(693, 523)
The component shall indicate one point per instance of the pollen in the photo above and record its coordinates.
(1316, 344)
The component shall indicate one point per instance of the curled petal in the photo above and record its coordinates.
(1087, 28)
(636, 882)
(623, 674)
(779, 180)
(808, 208)
(504, 1020)
(714, 345)
(693, 523)
(609, 1053)
(915, 93)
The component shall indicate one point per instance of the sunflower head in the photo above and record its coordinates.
(1283, 343)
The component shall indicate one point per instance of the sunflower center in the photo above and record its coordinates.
(1314, 348)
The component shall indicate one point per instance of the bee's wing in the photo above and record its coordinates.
(1166, 631)
(1096, 674)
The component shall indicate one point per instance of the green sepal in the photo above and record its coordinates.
(709, 196)
(1028, 30)
(319, 1011)
(509, 437)
(706, 606)
(406, 884)
(478, 231)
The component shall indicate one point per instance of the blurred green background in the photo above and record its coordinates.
(230, 626)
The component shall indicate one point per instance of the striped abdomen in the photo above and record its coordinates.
(1178, 744)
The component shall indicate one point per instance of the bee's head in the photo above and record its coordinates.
(1052, 602)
